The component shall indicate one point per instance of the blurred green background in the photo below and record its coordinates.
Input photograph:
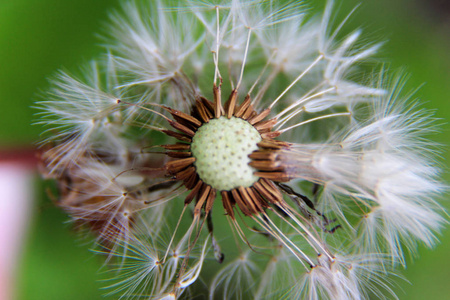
(37, 37)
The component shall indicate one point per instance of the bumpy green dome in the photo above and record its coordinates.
(221, 148)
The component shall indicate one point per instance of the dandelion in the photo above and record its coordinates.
(249, 112)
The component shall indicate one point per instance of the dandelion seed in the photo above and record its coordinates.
(324, 180)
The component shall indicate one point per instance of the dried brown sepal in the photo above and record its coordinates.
(267, 165)
(242, 206)
(176, 147)
(273, 144)
(193, 193)
(265, 124)
(183, 118)
(230, 105)
(210, 200)
(259, 117)
(274, 176)
(202, 112)
(208, 105)
(180, 127)
(177, 165)
(253, 192)
(218, 109)
(263, 155)
(191, 181)
(186, 173)
(243, 107)
(252, 203)
(228, 205)
(270, 135)
(178, 136)
(201, 198)
(178, 154)
(249, 112)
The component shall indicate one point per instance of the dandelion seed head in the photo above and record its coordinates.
(324, 173)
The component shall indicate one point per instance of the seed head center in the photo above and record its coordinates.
(221, 148)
